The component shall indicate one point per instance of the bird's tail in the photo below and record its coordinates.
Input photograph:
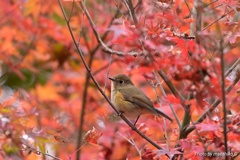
(163, 114)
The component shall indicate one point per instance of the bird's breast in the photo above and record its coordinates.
(128, 108)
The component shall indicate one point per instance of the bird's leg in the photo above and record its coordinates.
(136, 120)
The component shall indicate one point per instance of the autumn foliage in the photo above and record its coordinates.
(56, 57)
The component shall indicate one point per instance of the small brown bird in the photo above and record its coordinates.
(130, 100)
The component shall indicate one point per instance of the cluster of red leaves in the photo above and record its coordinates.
(211, 139)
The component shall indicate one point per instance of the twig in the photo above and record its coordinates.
(103, 67)
(224, 15)
(99, 88)
(69, 19)
(217, 6)
(139, 2)
(78, 149)
(105, 47)
(171, 86)
(107, 32)
(129, 11)
(164, 119)
(118, 7)
(131, 8)
(164, 94)
(237, 154)
(39, 152)
(232, 67)
(131, 141)
(210, 3)
(187, 6)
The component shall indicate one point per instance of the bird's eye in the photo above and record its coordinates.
(121, 81)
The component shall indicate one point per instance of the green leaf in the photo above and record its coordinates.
(59, 20)
(15, 81)
(10, 148)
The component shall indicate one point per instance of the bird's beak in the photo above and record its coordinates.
(112, 79)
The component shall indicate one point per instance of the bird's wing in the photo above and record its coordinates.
(138, 98)
(141, 100)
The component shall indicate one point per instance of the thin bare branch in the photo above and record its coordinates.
(170, 105)
(131, 141)
(186, 2)
(129, 11)
(103, 67)
(78, 149)
(38, 152)
(232, 67)
(171, 86)
(210, 3)
(158, 100)
(138, 4)
(224, 15)
(105, 47)
(69, 18)
(217, 6)
(132, 11)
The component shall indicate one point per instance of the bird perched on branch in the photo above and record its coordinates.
(130, 100)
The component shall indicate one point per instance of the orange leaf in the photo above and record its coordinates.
(172, 99)
(92, 136)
